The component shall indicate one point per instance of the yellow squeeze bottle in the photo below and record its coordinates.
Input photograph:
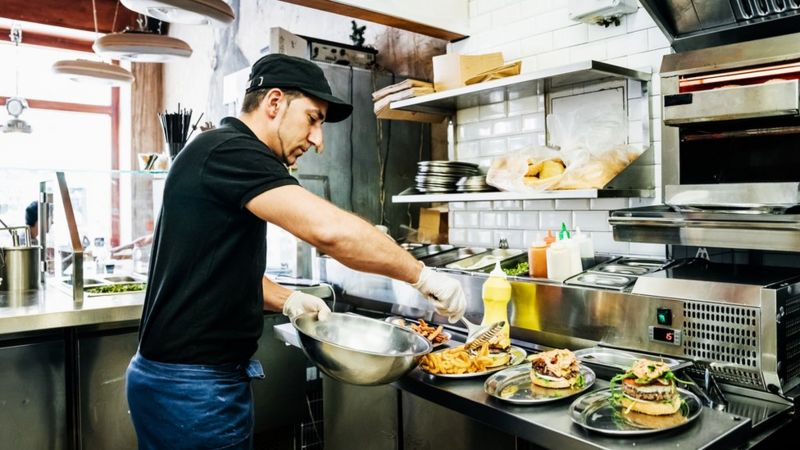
(496, 295)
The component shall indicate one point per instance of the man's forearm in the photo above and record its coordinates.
(361, 246)
(275, 295)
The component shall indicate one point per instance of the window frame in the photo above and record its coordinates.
(113, 110)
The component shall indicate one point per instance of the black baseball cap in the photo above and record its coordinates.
(290, 72)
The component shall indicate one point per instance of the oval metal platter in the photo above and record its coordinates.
(594, 411)
(514, 385)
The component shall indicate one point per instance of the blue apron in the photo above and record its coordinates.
(188, 406)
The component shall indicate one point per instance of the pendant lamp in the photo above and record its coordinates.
(191, 12)
(93, 71)
(97, 71)
(16, 105)
(141, 47)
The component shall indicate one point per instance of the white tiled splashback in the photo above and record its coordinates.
(540, 33)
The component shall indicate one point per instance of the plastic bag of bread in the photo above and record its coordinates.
(588, 170)
(592, 140)
(534, 168)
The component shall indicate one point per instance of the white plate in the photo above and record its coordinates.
(594, 411)
(517, 356)
(514, 385)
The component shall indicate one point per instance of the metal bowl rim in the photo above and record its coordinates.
(428, 345)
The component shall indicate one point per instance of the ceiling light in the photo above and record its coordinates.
(192, 12)
(15, 106)
(96, 71)
(141, 47)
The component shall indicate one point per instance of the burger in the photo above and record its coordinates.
(500, 350)
(556, 369)
(499, 357)
(647, 387)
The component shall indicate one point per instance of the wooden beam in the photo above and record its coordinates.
(383, 19)
(46, 40)
(75, 14)
(65, 106)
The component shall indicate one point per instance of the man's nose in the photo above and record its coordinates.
(316, 138)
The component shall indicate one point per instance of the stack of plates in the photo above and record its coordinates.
(475, 183)
(442, 176)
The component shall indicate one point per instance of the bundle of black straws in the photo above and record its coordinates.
(177, 128)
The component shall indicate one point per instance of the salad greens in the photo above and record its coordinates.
(116, 288)
(520, 269)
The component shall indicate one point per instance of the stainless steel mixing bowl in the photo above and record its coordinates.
(359, 350)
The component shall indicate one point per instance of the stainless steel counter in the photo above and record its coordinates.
(52, 307)
(549, 425)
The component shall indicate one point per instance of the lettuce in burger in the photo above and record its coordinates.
(647, 387)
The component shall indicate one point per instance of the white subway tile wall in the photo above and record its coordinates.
(515, 238)
(523, 220)
(541, 35)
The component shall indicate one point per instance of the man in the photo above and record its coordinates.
(32, 221)
(189, 384)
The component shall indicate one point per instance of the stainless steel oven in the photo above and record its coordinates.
(730, 141)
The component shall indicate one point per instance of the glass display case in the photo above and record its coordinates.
(98, 224)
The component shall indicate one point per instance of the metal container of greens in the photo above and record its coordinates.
(514, 266)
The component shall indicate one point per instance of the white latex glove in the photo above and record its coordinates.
(300, 303)
(445, 292)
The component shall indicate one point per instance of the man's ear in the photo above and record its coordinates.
(272, 102)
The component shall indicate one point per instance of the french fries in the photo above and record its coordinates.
(457, 360)
(432, 334)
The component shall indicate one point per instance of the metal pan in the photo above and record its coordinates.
(601, 280)
(484, 260)
(442, 259)
(430, 250)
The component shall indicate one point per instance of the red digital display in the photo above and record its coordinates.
(664, 334)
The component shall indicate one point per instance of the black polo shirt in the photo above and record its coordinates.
(204, 302)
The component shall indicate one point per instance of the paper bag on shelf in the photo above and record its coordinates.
(506, 70)
(408, 83)
(433, 228)
(401, 95)
(453, 70)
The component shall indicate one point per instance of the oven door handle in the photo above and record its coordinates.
(697, 223)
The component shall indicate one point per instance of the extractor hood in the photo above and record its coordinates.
(696, 24)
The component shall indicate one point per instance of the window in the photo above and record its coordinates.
(75, 129)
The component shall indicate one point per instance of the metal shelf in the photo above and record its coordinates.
(447, 102)
(413, 196)
(533, 83)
